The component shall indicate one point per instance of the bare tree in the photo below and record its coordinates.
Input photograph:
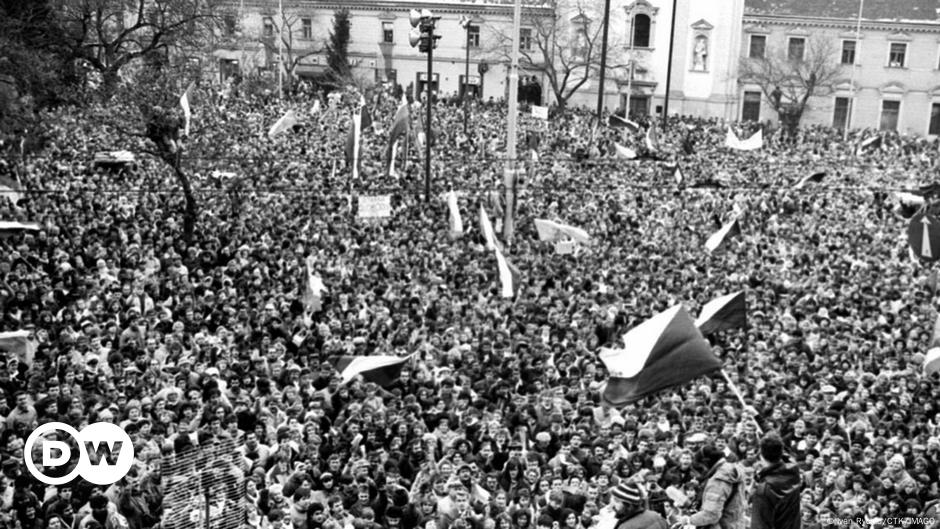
(564, 44)
(294, 52)
(108, 35)
(789, 78)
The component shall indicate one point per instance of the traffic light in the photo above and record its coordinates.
(422, 30)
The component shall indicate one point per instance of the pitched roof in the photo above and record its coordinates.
(919, 10)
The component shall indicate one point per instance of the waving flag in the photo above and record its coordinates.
(723, 313)
(286, 123)
(553, 231)
(756, 141)
(187, 112)
(399, 129)
(361, 120)
(726, 232)
(10, 188)
(814, 178)
(18, 343)
(625, 152)
(314, 289)
(487, 230)
(508, 276)
(652, 138)
(456, 223)
(664, 351)
(12, 227)
(616, 122)
(869, 145)
(379, 369)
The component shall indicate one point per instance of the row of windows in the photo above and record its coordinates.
(796, 50)
(890, 112)
(387, 36)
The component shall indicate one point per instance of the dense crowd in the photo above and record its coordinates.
(205, 355)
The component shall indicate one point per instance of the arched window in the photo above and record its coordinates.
(641, 31)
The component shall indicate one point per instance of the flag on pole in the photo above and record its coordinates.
(361, 121)
(284, 124)
(726, 232)
(18, 343)
(11, 227)
(652, 138)
(869, 145)
(10, 188)
(487, 230)
(616, 122)
(664, 351)
(553, 231)
(314, 289)
(456, 223)
(723, 313)
(391, 163)
(625, 152)
(814, 178)
(508, 276)
(379, 369)
(187, 112)
(399, 129)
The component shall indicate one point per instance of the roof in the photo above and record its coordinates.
(914, 10)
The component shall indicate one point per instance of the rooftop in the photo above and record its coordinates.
(913, 10)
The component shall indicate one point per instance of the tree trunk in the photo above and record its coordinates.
(189, 217)
(790, 117)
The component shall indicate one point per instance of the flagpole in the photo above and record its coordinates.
(600, 88)
(280, 48)
(858, 48)
(737, 393)
(509, 175)
(672, 38)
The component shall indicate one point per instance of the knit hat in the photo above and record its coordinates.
(628, 493)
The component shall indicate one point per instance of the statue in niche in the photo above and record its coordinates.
(700, 54)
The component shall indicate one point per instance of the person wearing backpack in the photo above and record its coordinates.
(722, 499)
(775, 502)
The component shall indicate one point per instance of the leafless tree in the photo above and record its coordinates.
(294, 51)
(564, 45)
(790, 81)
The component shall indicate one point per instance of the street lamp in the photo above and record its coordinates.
(422, 36)
(465, 23)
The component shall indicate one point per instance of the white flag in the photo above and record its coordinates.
(487, 230)
(187, 112)
(456, 223)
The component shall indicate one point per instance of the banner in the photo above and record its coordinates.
(379, 206)
(540, 112)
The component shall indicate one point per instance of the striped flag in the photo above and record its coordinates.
(553, 231)
(664, 351)
(652, 138)
(379, 369)
(624, 152)
(508, 276)
(726, 232)
(869, 145)
(487, 230)
(814, 178)
(10, 188)
(932, 362)
(616, 122)
(284, 124)
(8, 228)
(456, 223)
(314, 288)
(723, 313)
(399, 129)
(18, 343)
(362, 120)
(187, 112)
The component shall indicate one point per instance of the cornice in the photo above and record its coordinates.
(443, 7)
(908, 26)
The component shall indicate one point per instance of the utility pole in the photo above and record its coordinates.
(465, 22)
(422, 36)
(672, 39)
(600, 88)
(509, 174)
(855, 59)
(280, 50)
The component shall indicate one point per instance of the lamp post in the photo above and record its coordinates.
(422, 36)
(465, 23)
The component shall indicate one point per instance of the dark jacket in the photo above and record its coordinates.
(644, 520)
(775, 503)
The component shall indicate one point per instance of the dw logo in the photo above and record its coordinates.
(105, 453)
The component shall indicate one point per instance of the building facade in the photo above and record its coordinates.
(888, 66)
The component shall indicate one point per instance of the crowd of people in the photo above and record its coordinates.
(207, 356)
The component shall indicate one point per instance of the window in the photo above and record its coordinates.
(848, 52)
(840, 117)
(268, 27)
(758, 46)
(473, 36)
(388, 32)
(307, 27)
(229, 25)
(641, 31)
(934, 119)
(750, 110)
(525, 39)
(889, 114)
(795, 49)
(896, 56)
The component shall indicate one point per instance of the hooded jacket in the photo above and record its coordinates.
(722, 498)
(775, 503)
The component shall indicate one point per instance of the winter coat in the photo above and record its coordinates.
(722, 498)
(644, 520)
(775, 503)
